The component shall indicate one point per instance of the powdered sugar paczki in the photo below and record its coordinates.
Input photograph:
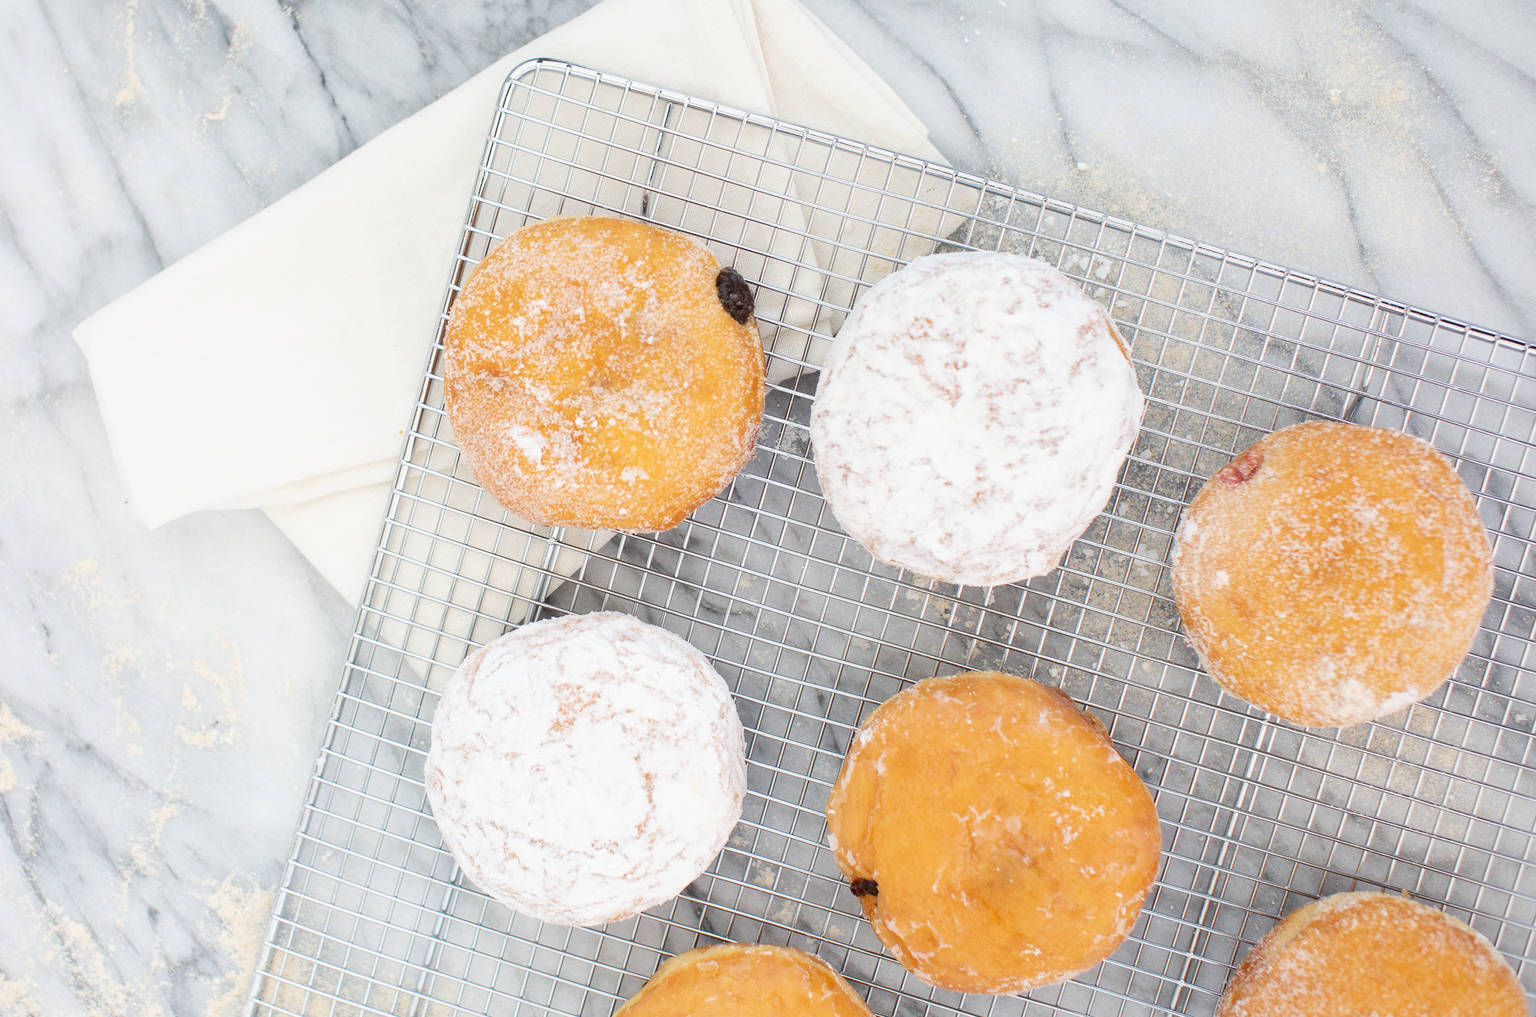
(973, 416)
(583, 769)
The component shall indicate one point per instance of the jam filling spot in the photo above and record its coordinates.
(734, 295)
(1241, 469)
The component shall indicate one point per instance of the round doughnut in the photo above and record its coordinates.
(993, 835)
(1332, 573)
(745, 981)
(972, 416)
(1372, 955)
(583, 769)
(603, 373)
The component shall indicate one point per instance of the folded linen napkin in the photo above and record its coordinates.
(261, 371)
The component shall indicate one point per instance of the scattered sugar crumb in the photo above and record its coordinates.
(220, 111)
(120, 657)
(144, 856)
(17, 998)
(127, 722)
(239, 45)
(241, 908)
(227, 689)
(785, 913)
(88, 581)
(13, 730)
(132, 87)
(90, 970)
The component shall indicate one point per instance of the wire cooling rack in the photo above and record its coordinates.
(1438, 801)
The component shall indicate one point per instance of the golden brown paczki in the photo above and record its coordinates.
(1332, 573)
(996, 839)
(1372, 955)
(742, 980)
(603, 373)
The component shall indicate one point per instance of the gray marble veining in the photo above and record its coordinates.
(164, 691)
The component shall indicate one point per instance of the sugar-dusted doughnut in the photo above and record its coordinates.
(603, 373)
(1332, 573)
(1372, 955)
(745, 981)
(994, 836)
(972, 417)
(585, 768)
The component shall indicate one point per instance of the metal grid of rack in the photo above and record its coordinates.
(1438, 801)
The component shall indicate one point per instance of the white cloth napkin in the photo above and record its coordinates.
(263, 371)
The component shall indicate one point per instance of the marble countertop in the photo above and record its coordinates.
(164, 691)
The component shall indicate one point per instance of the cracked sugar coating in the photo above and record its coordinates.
(1332, 573)
(1372, 955)
(585, 768)
(745, 981)
(594, 378)
(972, 417)
(1000, 841)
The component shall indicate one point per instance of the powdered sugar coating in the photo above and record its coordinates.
(1332, 573)
(585, 768)
(972, 417)
(1373, 955)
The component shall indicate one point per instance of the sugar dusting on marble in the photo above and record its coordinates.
(210, 707)
(182, 39)
(1349, 107)
(239, 45)
(18, 999)
(237, 907)
(144, 854)
(225, 688)
(241, 908)
(11, 732)
(89, 582)
(131, 88)
(91, 970)
(11, 729)
(121, 658)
